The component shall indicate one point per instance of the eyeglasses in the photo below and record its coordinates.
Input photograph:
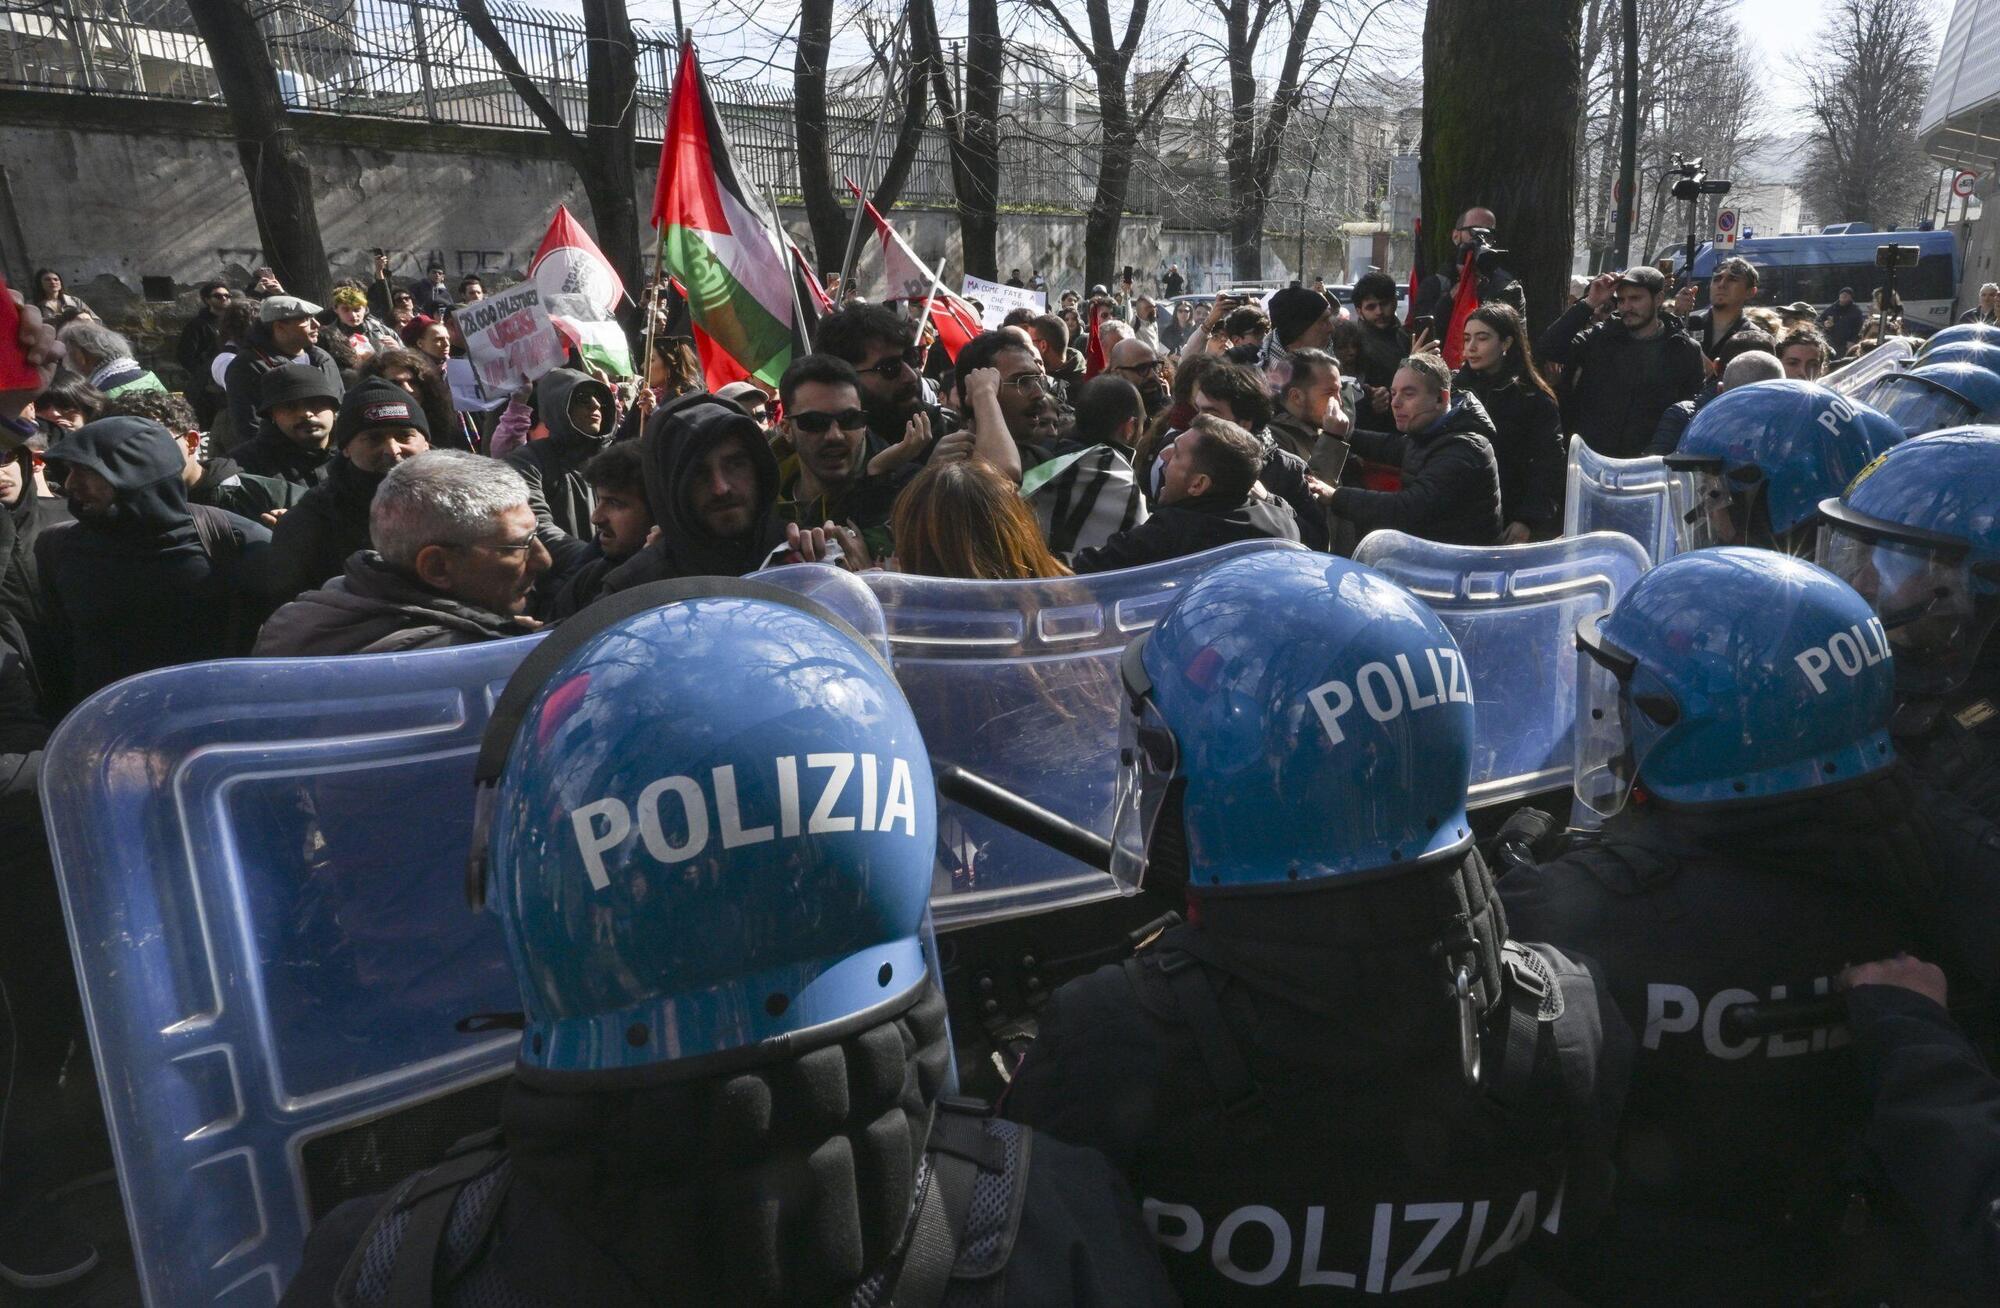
(1152, 369)
(1032, 384)
(521, 546)
(815, 423)
(893, 366)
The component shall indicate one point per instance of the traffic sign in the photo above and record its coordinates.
(1962, 184)
(1725, 227)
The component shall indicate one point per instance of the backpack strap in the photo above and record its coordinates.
(218, 537)
(1531, 997)
(968, 1152)
(1193, 995)
(413, 1226)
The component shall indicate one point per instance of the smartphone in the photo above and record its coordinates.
(1329, 456)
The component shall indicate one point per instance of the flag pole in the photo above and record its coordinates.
(874, 160)
(652, 304)
(784, 244)
(924, 318)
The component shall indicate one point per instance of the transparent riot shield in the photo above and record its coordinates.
(1640, 498)
(263, 867)
(1513, 610)
(1018, 681)
(1854, 379)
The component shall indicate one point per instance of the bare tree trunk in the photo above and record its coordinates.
(826, 195)
(972, 126)
(604, 156)
(1473, 157)
(1253, 145)
(1110, 59)
(281, 193)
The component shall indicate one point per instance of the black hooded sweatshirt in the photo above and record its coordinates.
(21, 525)
(134, 589)
(313, 541)
(677, 438)
(553, 466)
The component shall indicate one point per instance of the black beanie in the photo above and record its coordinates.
(294, 381)
(1293, 310)
(377, 402)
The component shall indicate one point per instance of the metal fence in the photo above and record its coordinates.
(420, 60)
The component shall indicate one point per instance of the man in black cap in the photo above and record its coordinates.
(1621, 374)
(297, 404)
(378, 427)
(286, 331)
(1300, 320)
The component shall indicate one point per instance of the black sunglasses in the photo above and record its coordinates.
(815, 423)
(890, 367)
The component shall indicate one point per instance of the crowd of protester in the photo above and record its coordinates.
(329, 479)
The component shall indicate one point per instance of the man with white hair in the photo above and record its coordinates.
(1747, 367)
(105, 358)
(1988, 310)
(455, 558)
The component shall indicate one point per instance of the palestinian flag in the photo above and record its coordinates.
(716, 240)
(955, 321)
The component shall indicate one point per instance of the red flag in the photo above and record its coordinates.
(569, 262)
(1093, 344)
(1452, 343)
(954, 320)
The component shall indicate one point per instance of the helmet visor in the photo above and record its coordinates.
(1721, 506)
(1148, 756)
(1608, 756)
(1935, 605)
(1919, 407)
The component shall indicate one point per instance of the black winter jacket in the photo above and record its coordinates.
(1451, 480)
(374, 608)
(1735, 1146)
(1528, 444)
(273, 454)
(1189, 527)
(311, 544)
(1617, 386)
(553, 466)
(136, 589)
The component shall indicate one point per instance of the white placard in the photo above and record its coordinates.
(997, 300)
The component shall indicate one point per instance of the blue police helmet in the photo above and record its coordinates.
(712, 837)
(1763, 456)
(1936, 396)
(1879, 431)
(1731, 675)
(1293, 718)
(1918, 535)
(1985, 353)
(1980, 332)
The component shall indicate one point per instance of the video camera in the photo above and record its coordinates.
(1487, 254)
(1691, 181)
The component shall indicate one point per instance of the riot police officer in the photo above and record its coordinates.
(1761, 457)
(1341, 1078)
(1918, 534)
(1758, 835)
(711, 847)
